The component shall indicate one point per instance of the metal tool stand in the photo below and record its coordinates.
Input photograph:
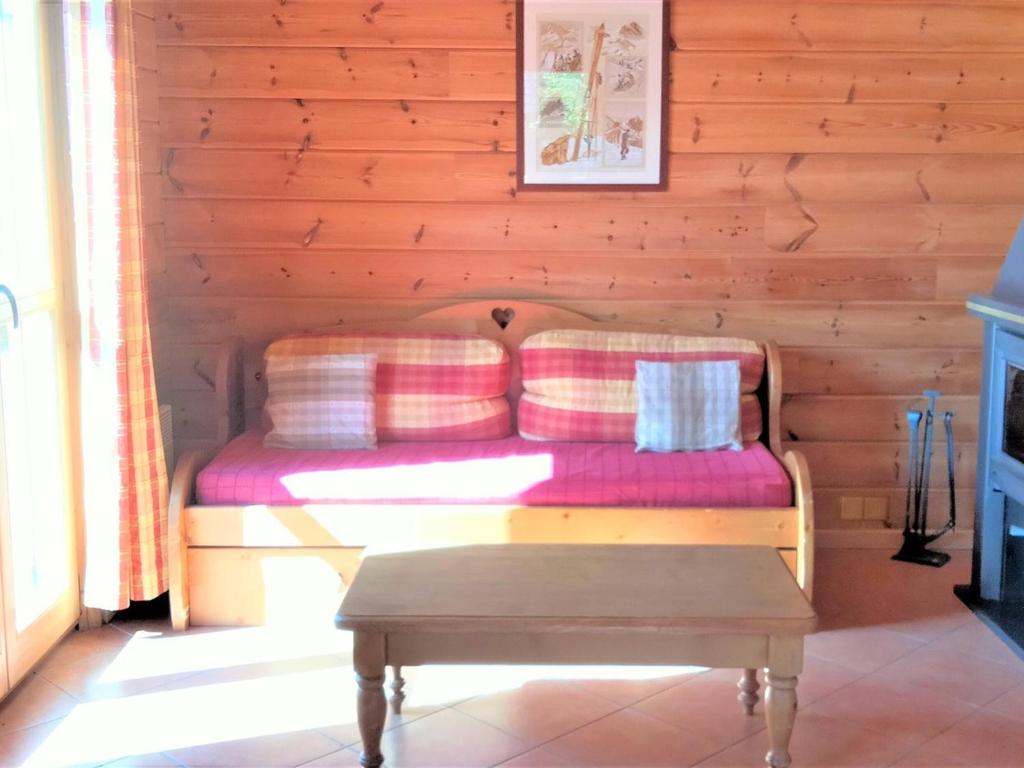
(915, 526)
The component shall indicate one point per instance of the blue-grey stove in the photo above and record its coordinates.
(996, 591)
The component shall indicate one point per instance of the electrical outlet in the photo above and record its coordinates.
(851, 508)
(876, 508)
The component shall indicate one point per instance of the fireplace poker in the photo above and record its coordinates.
(950, 465)
(926, 459)
(913, 422)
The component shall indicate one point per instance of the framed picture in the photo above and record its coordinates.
(592, 80)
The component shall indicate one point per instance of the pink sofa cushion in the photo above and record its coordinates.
(506, 471)
(429, 386)
(579, 385)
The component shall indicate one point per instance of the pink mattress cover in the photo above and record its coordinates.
(506, 471)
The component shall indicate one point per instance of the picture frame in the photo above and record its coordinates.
(592, 79)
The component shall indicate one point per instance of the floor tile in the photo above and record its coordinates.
(218, 652)
(421, 700)
(973, 679)
(35, 701)
(820, 678)
(707, 705)
(260, 670)
(1010, 704)
(630, 737)
(911, 600)
(451, 739)
(346, 731)
(108, 663)
(977, 639)
(93, 645)
(154, 760)
(983, 739)
(629, 690)
(889, 709)
(817, 741)
(343, 758)
(444, 685)
(43, 746)
(92, 682)
(864, 649)
(280, 749)
(539, 710)
(929, 627)
(541, 757)
(901, 613)
(242, 721)
(131, 626)
(924, 605)
(18, 747)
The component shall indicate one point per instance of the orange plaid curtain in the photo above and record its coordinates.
(125, 482)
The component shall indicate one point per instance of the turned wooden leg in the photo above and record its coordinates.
(780, 711)
(397, 690)
(748, 690)
(371, 706)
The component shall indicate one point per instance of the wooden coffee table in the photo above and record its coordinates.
(579, 604)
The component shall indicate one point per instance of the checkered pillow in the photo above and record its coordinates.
(430, 386)
(688, 406)
(579, 385)
(321, 401)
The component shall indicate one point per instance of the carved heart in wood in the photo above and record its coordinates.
(503, 316)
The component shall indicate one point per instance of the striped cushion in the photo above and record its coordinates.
(688, 406)
(321, 401)
(429, 386)
(579, 385)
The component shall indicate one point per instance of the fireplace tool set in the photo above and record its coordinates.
(919, 469)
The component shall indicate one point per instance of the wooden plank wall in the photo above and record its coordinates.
(843, 172)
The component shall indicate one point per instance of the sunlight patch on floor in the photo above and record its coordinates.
(278, 697)
(200, 714)
(442, 685)
(157, 654)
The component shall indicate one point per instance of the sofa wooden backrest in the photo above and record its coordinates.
(241, 386)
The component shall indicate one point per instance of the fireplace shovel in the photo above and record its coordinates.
(915, 525)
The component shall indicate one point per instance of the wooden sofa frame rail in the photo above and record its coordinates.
(198, 530)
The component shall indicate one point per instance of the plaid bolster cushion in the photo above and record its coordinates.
(548, 419)
(688, 406)
(580, 385)
(429, 386)
(423, 417)
(321, 401)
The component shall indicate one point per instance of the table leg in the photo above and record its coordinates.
(748, 690)
(397, 689)
(371, 706)
(780, 711)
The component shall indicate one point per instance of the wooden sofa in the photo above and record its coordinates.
(242, 565)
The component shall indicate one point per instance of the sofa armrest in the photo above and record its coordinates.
(230, 391)
(803, 500)
(180, 496)
(773, 371)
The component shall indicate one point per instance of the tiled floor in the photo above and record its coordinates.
(902, 674)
